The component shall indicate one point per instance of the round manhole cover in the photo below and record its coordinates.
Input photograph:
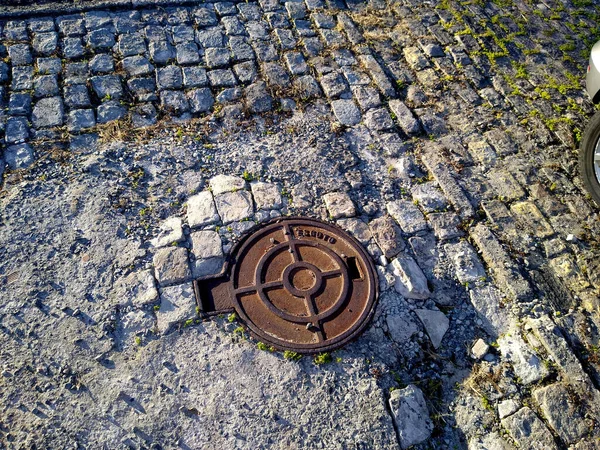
(298, 284)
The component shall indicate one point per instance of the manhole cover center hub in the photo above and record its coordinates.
(303, 279)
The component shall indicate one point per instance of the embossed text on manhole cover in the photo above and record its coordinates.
(298, 284)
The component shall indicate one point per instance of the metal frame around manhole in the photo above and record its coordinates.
(254, 302)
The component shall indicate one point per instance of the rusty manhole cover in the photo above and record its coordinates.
(297, 284)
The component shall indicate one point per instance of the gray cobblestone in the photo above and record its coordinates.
(110, 111)
(48, 112)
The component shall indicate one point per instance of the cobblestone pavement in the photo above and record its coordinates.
(138, 145)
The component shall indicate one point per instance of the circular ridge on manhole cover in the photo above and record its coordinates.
(298, 284)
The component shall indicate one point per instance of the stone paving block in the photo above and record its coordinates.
(258, 98)
(47, 66)
(275, 74)
(482, 152)
(73, 48)
(206, 244)
(489, 303)
(387, 236)
(467, 264)
(307, 88)
(233, 26)
(408, 215)
(174, 102)
(102, 39)
(555, 344)
(19, 104)
(409, 280)
(201, 210)
(505, 185)
(45, 86)
(161, 52)
(356, 77)
(20, 54)
(528, 430)
(234, 206)
(404, 117)
(136, 66)
(528, 366)
(266, 195)
(144, 115)
(45, 43)
(367, 97)
(411, 416)
(433, 124)
(436, 324)
(110, 111)
(171, 265)
(226, 183)
(131, 44)
(221, 78)
(339, 205)
(346, 112)
(19, 156)
(169, 77)
(357, 228)
(378, 75)
(429, 197)
(296, 63)
(200, 100)
(48, 112)
(102, 63)
(563, 412)
(194, 76)
(17, 130)
(531, 217)
(76, 73)
(170, 232)
(177, 304)
(445, 225)
(378, 119)
(80, 119)
(451, 189)
(415, 58)
(504, 269)
(286, 39)
(107, 87)
(143, 89)
(22, 78)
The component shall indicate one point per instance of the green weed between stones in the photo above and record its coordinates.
(292, 356)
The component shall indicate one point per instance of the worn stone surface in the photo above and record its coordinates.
(563, 412)
(137, 288)
(387, 235)
(528, 366)
(234, 206)
(527, 429)
(266, 195)
(171, 232)
(436, 324)
(226, 183)
(410, 416)
(409, 278)
(171, 265)
(177, 304)
(408, 215)
(201, 210)
(339, 205)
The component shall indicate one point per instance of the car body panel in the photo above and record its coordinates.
(592, 80)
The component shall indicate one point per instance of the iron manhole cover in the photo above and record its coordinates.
(297, 284)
